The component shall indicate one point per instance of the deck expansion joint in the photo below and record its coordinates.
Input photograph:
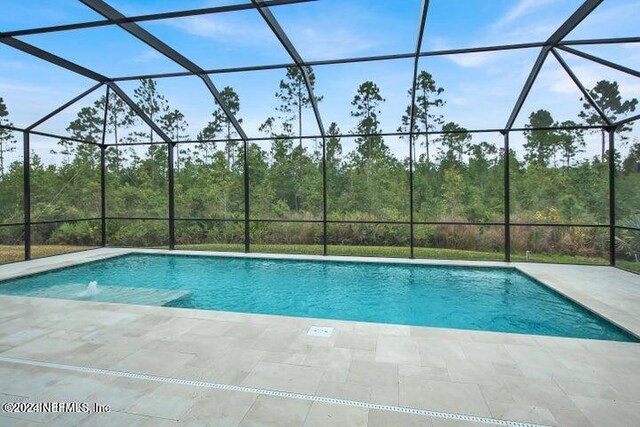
(270, 392)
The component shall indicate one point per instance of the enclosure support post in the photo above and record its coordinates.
(247, 242)
(103, 171)
(172, 214)
(612, 197)
(103, 196)
(324, 197)
(27, 195)
(412, 114)
(411, 232)
(507, 200)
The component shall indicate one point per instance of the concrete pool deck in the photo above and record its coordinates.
(47, 346)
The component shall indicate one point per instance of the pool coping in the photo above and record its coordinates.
(541, 273)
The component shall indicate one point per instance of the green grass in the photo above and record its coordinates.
(560, 259)
(393, 252)
(629, 265)
(13, 253)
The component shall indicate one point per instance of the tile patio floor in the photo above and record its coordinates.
(535, 379)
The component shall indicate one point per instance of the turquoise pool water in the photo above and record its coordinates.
(490, 299)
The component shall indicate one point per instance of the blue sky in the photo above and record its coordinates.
(480, 89)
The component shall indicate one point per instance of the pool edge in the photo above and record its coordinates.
(91, 256)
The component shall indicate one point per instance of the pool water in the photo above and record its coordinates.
(489, 299)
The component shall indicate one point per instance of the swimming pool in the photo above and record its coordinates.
(490, 299)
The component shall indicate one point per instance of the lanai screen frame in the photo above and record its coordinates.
(551, 47)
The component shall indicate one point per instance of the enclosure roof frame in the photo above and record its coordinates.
(129, 24)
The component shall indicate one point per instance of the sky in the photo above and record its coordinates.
(479, 89)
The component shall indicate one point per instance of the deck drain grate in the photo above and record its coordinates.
(320, 331)
(268, 392)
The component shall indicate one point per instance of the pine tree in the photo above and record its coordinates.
(204, 150)
(281, 167)
(483, 153)
(174, 125)
(154, 105)
(540, 144)
(221, 126)
(631, 163)
(88, 127)
(334, 147)
(333, 154)
(7, 140)
(426, 119)
(151, 102)
(232, 148)
(294, 97)
(281, 146)
(454, 143)
(119, 118)
(607, 95)
(452, 193)
(570, 141)
(366, 103)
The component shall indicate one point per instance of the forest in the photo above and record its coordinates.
(559, 175)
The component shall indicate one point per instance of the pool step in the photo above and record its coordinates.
(117, 294)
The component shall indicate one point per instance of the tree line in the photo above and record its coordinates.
(458, 177)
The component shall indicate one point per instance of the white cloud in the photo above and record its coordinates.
(611, 19)
(338, 42)
(318, 32)
(230, 30)
(14, 65)
(563, 85)
(17, 87)
(204, 26)
(556, 80)
(471, 60)
(147, 56)
(520, 10)
(552, 79)
(515, 25)
(458, 100)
